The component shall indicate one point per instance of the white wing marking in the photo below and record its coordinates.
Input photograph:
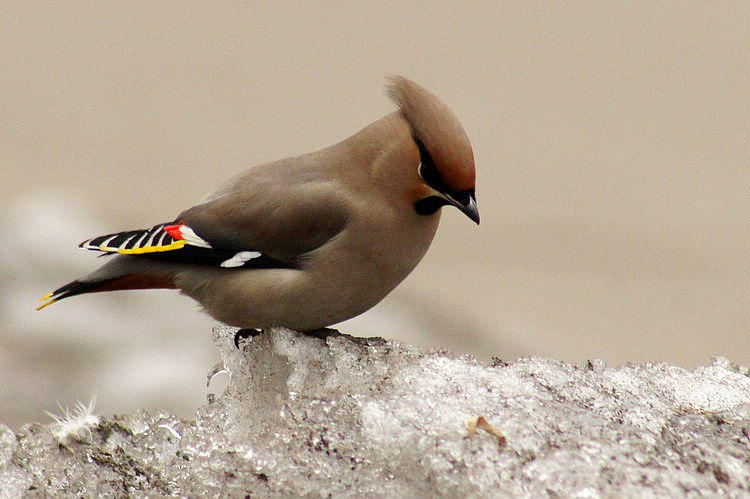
(239, 259)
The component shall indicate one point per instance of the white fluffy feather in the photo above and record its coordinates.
(76, 424)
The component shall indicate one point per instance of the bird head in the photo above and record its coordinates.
(446, 160)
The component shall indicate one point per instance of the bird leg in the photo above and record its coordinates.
(245, 333)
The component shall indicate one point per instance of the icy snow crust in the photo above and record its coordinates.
(344, 416)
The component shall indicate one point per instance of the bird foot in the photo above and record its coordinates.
(245, 333)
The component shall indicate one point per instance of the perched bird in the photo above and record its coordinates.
(309, 241)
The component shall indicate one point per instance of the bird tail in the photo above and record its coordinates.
(70, 289)
(106, 280)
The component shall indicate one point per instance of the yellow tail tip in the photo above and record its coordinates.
(47, 296)
(45, 304)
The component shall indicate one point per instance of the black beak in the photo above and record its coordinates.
(467, 205)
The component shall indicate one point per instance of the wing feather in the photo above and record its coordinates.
(179, 243)
(282, 221)
(268, 218)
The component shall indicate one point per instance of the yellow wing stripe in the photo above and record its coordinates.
(146, 249)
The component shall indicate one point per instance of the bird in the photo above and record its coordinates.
(308, 241)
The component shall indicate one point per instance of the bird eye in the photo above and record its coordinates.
(427, 169)
(430, 175)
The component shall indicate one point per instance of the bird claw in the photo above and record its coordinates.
(245, 333)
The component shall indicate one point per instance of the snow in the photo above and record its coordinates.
(342, 416)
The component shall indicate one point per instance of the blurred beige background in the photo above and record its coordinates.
(612, 145)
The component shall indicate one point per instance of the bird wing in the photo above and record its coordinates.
(249, 228)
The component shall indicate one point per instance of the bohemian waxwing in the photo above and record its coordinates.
(309, 241)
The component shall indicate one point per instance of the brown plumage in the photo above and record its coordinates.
(309, 241)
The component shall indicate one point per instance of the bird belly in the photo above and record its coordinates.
(327, 291)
